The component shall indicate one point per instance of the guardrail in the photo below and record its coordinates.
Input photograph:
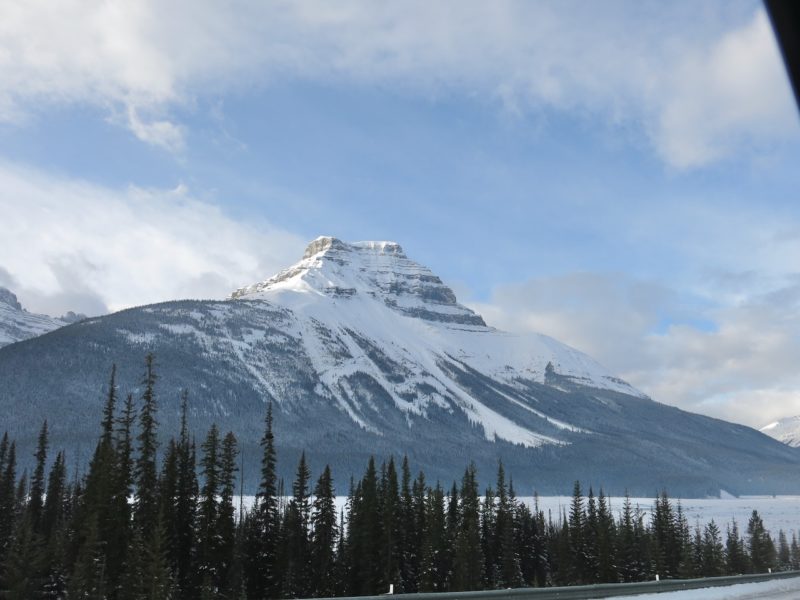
(588, 592)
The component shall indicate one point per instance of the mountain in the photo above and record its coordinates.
(363, 351)
(17, 324)
(784, 430)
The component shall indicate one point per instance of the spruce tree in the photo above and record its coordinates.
(390, 515)
(226, 525)
(434, 564)
(36, 500)
(713, 555)
(762, 550)
(146, 495)
(324, 536)
(207, 513)
(606, 542)
(735, 551)
(784, 552)
(296, 564)
(576, 535)
(468, 571)
(261, 568)
(182, 546)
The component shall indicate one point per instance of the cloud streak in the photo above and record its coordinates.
(701, 82)
(71, 245)
(735, 360)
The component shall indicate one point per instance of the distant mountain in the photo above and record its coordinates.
(364, 351)
(17, 324)
(785, 430)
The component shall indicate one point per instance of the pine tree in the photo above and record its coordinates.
(713, 555)
(795, 553)
(324, 535)
(606, 542)
(762, 550)
(207, 513)
(181, 547)
(468, 571)
(784, 552)
(295, 536)
(508, 554)
(88, 579)
(226, 526)
(389, 502)
(8, 503)
(590, 540)
(261, 568)
(36, 500)
(434, 564)
(576, 532)
(146, 496)
(735, 552)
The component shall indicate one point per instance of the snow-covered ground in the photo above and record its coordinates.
(781, 589)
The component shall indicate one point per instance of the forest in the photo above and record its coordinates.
(146, 522)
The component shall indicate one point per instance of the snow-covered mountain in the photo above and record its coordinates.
(785, 430)
(363, 307)
(17, 324)
(363, 351)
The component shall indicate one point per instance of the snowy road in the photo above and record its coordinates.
(782, 589)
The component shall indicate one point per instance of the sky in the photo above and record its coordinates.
(622, 176)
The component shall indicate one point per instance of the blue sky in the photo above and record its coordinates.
(622, 177)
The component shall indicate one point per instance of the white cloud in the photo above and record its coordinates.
(71, 245)
(703, 81)
(737, 361)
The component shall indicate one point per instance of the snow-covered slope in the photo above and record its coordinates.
(363, 351)
(356, 301)
(785, 430)
(17, 324)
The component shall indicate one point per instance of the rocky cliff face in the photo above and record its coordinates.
(17, 324)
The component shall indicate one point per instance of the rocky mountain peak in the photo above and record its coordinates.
(9, 298)
(372, 270)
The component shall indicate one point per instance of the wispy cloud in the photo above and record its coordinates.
(734, 360)
(71, 245)
(702, 82)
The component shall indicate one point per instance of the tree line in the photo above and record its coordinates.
(135, 527)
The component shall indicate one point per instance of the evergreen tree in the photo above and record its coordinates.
(295, 536)
(468, 568)
(88, 579)
(146, 496)
(226, 526)
(784, 552)
(181, 536)
(735, 552)
(207, 513)
(324, 536)
(434, 565)
(36, 500)
(8, 503)
(575, 535)
(510, 572)
(762, 550)
(606, 542)
(713, 556)
(590, 540)
(261, 568)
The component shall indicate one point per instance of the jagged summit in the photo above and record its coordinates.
(8, 298)
(17, 324)
(361, 271)
(785, 430)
